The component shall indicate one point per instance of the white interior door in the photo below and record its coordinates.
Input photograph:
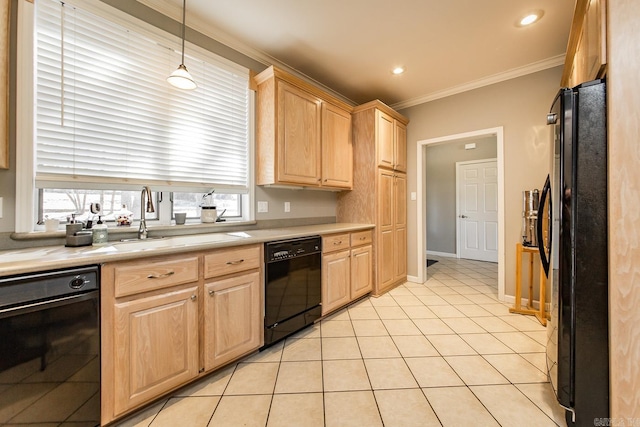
(477, 222)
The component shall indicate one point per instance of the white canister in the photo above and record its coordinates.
(208, 214)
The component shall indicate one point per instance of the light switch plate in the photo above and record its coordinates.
(287, 206)
(414, 196)
(263, 207)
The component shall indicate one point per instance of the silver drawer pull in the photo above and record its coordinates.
(339, 242)
(240, 261)
(161, 276)
(211, 292)
(194, 297)
(363, 238)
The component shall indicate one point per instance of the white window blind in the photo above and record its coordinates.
(105, 113)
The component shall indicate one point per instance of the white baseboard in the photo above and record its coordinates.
(412, 279)
(442, 254)
(511, 299)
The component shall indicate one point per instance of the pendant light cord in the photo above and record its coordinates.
(184, 16)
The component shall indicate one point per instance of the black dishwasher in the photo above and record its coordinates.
(292, 286)
(50, 348)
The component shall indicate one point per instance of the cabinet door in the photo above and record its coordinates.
(385, 258)
(400, 227)
(399, 254)
(361, 271)
(337, 150)
(298, 145)
(336, 277)
(385, 136)
(156, 346)
(400, 200)
(385, 231)
(385, 198)
(400, 147)
(232, 318)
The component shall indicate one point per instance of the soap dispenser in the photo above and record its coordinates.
(100, 232)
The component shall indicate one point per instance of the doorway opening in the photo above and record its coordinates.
(496, 132)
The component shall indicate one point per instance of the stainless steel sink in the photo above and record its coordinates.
(177, 241)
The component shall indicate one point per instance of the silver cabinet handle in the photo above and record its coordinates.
(363, 238)
(240, 261)
(339, 242)
(211, 292)
(161, 276)
(463, 216)
(194, 297)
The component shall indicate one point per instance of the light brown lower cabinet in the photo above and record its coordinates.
(232, 318)
(347, 268)
(156, 346)
(361, 271)
(336, 280)
(168, 320)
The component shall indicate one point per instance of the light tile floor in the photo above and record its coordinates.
(444, 353)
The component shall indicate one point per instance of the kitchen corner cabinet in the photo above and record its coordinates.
(379, 189)
(168, 320)
(303, 134)
(587, 48)
(347, 268)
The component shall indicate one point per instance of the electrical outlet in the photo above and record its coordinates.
(263, 207)
(414, 196)
(287, 207)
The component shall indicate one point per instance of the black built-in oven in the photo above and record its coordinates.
(292, 286)
(50, 348)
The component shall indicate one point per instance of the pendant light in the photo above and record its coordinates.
(181, 78)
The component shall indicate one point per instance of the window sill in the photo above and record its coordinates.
(154, 230)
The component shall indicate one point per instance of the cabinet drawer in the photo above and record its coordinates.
(147, 275)
(361, 238)
(228, 261)
(335, 242)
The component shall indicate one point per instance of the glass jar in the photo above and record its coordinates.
(124, 217)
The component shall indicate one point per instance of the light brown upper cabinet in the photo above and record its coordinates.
(587, 49)
(392, 142)
(304, 134)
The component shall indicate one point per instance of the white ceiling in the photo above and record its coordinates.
(351, 46)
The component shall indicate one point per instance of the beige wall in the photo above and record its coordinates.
(440, 187)
(520, 106)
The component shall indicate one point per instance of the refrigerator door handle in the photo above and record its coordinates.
(544, 254)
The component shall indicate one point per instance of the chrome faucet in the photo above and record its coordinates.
(142, 231)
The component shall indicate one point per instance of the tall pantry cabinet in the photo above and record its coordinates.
(379, 194)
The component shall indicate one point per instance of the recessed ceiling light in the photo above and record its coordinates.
(398, 70)
(530, 18)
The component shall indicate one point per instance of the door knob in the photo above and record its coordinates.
(463, 216)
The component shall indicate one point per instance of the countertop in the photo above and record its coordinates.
(55, 257)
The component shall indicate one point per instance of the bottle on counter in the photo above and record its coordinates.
(100, 232)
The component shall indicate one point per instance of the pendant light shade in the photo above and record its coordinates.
(181, 78)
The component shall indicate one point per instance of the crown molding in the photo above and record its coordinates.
(485, 81)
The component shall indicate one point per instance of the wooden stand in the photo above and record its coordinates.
(530, 310)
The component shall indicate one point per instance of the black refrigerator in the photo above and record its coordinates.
(572, 238)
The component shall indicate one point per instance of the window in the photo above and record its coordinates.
(106, 121)
(229, 206)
